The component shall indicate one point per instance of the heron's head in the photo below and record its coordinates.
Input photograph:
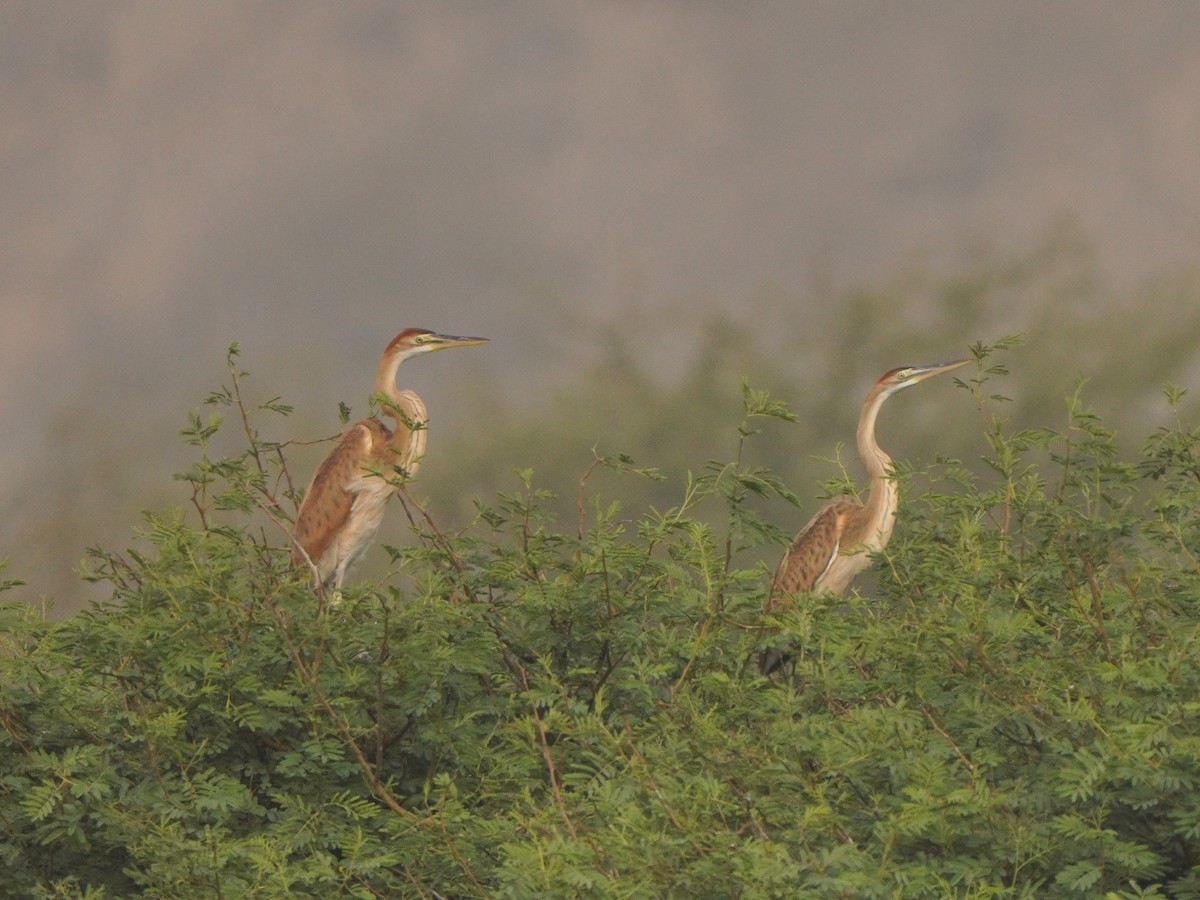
(412, 341)
(907, 376)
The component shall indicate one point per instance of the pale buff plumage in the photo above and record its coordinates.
(837, 543)
(343, 506)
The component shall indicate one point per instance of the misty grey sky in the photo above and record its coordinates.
(307, 178)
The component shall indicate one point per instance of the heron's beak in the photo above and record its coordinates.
(923, 372)
(451, 340)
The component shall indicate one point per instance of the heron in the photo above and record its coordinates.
(343, 505)
(837, 543)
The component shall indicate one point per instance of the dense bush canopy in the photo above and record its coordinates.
(538, 707)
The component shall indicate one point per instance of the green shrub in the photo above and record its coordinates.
(535, 708)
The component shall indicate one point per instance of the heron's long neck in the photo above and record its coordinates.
(385, 378)
(407, 411)
(385, 385)
(883, 499)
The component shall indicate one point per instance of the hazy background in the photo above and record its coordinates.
(307, 178)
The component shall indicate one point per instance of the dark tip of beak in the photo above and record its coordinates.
(454, 340)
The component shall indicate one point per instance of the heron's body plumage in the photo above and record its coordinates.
(838, 542)
(344, 503)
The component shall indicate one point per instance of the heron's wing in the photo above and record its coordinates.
(330, 495)
(813, 550)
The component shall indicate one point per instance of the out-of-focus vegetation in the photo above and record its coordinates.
(658, 381)
(548, 705)
(821, 354)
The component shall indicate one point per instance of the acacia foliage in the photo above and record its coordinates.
(533, 707)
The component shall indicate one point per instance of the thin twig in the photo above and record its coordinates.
(544, 747)
(405, 499)
(942, 731)
(583, 479)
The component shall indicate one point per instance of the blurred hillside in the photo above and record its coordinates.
(656, 199)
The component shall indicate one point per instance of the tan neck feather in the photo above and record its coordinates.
(406, 409)
(883, 499)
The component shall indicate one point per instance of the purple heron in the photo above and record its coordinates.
(343, 506)
(838, 541)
